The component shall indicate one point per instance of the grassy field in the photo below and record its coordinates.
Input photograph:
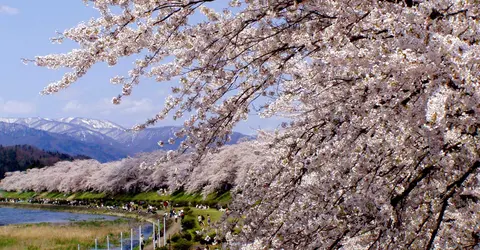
(64, 236)
(180, 198)
(215, 215)
(17, 195)
(188, 238)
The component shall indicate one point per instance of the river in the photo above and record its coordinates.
(29, 216)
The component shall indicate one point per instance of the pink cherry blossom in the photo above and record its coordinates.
(382, 147)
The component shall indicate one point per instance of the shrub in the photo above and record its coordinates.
(197, 238)
(182, 244)
(175, 238)
(188, 223)
(187, 211)
(187, 236)
(180, 203)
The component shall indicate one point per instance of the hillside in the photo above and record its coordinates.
(18, 134)
(109, 141)
(23, 157)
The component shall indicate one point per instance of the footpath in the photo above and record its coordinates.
(173, 229)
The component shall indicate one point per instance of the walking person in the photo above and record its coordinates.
(142, 242)
(165, 205)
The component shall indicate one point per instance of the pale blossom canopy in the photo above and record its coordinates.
(381, 150)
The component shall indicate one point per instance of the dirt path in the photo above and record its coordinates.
(173, 229)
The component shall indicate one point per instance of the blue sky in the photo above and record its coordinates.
(25, 31)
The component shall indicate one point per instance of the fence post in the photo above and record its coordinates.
(121, 240)
(108, 243)
(153, 235)
(140, 237)
(131, 238)
(158, 241)
(164, 230)
(96, 244)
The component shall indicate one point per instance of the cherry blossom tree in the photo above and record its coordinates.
(218, 173)
(383, 98)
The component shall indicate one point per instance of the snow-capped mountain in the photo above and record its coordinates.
(93, 124)
(64, 126)
(106, 128)
(147, 140)
(104, 134)
(19, 134)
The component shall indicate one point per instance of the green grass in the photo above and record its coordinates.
(221, 199)
(87, 196)
(181, 198)
(5, 242)
(215, 215)
(145, 196)
(100, 222)
(53, 195)
(17, 195)
(186, 197)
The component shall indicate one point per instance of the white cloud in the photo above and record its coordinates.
(105, 107)
(130, 111)
(4, 9)
(16, 107)
(74, 106)
(143, 105)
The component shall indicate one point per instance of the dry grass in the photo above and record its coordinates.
(63, 236)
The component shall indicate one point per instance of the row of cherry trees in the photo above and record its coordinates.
(144, 172)
(383, 147)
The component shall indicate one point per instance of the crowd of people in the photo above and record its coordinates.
(140, 207)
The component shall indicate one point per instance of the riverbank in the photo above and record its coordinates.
(138, 215)
(178, 198)
(15, 215)
(63, 235)
(141, 212)
(70, 235)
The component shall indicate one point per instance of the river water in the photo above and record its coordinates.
(23, 216)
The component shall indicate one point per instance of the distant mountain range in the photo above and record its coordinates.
(99, 139)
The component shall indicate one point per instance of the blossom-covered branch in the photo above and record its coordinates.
(383, 99)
